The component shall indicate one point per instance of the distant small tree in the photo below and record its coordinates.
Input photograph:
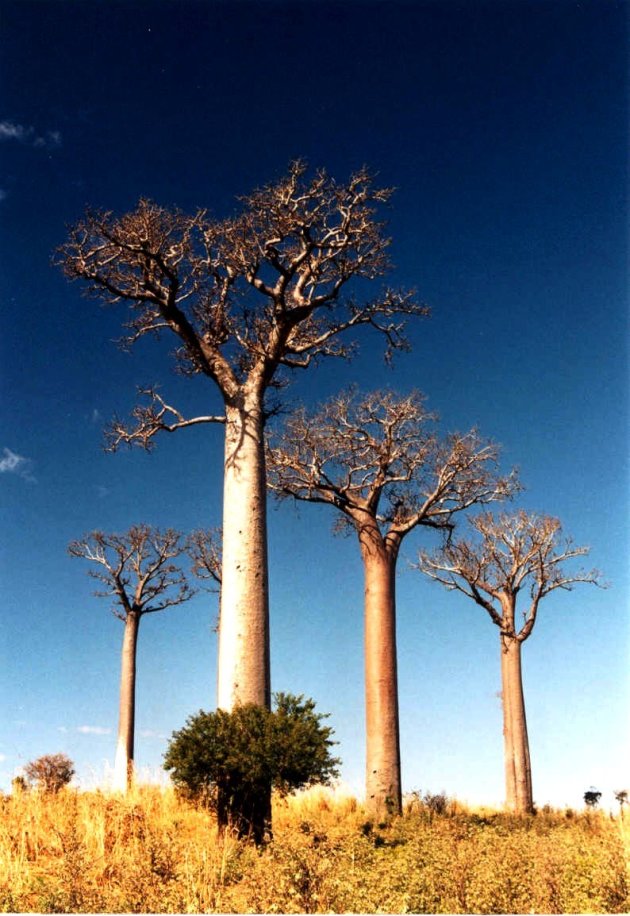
(49, 773)
(592, 797)
(507, 556)
(621, 796)
(19, 784)
(140, 576)
(228, 759)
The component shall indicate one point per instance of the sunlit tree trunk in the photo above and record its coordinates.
(518, 777)
(510, 772)
(243, 665)
(123, 764)
(383, 782)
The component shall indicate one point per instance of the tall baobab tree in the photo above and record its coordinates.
(378, 461)
(508, 555)
(140, 575)
(245, 297)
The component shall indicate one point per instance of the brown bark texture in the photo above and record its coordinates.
(518, 774)
(124, 765)
(383, 771)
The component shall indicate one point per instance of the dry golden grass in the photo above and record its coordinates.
(92, 852)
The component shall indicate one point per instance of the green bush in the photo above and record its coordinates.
(231, 760)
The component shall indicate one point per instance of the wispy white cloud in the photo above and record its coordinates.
(3, 757)
(150, 733)
(12, 463)
(3, 194)
(102, 491)
(93, 730)
(50, 140)
(96, 415)
(9, 130)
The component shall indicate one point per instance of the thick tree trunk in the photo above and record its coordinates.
(383, 781)
(243, 674)
(243, 665)
(518, 776)
(123, 765)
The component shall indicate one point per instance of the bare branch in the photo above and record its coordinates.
(204, 549)
(150, 418)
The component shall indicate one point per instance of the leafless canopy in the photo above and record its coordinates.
(204, 550)
(378, 456)
(506, 555)
(136, 568)
(248, 294)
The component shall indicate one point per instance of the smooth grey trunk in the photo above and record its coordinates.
(123, 765)
(383, 777)
(518, 776)
(243, 661)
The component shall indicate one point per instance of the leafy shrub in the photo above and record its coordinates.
(50, 773)
(437, 802)
(228, 760)
(592, 797)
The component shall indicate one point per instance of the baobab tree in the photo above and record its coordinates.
(508, 555)
(140, 575)
(379, 462)
(245, 297)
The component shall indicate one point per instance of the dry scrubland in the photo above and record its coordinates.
(92, 852)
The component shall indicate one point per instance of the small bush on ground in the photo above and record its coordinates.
(227, 759)
(50, 773)
(592, 797)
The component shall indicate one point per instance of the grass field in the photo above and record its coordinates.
(149, 852)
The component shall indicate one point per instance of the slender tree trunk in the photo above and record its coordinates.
(383, 781)
(508, 731)
(243, 665)
(123, 765)
(518, 776)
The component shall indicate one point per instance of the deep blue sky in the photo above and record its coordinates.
(503, 127)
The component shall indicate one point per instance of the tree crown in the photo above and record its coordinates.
(50, 773)
(251, 293)
(507, 554)
(378, 456)
(136, 568)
